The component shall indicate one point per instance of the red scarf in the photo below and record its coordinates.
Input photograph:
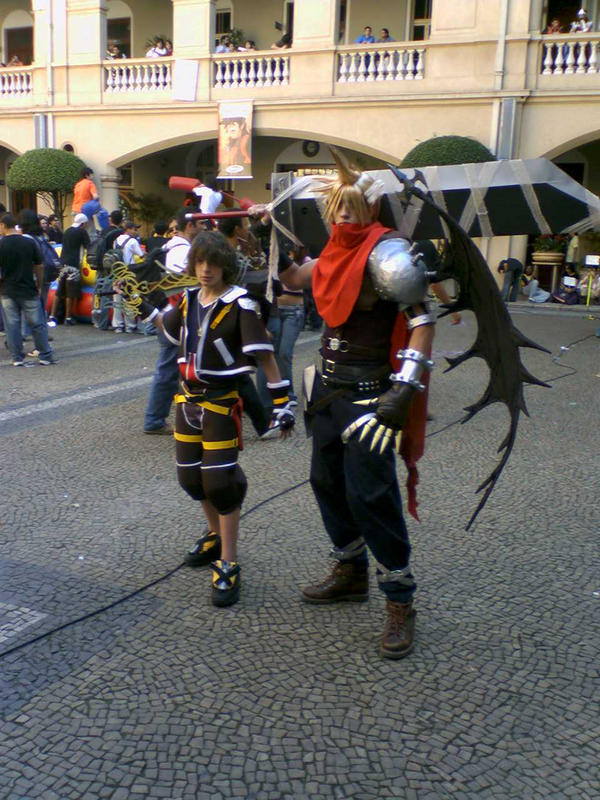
(338, 274)
(337, 279)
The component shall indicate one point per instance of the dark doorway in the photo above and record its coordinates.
(19, 42)
(565, 11)
(118, 31)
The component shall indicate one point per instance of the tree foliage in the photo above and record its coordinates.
(150, 208)
(444, 150)
(48, 172)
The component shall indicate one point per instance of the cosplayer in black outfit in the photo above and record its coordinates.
(220, 332)
(360, 400)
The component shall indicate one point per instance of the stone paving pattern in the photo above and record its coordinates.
(164, 696)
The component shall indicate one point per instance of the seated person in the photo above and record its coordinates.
(567, 291)
(583, 286)
(531, 287)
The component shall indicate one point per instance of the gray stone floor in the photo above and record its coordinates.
(163, 696)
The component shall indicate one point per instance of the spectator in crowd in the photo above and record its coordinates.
(33, 226)
(531, 287)
(158, 238)
(15, 61)
(209, 197)
(582, 23)
(55, 233)
(366, 36)
(224, 44)
(124, 321)
(169, 47)
(21, 273)
(589, 285)
(511, 269)
(385, 36)
(249, 44)
(567, 294)
(166, 374)
(102, 296)
(252, 275)
(284, 43)
(554, 27)
(158, 49)
(75, 241)
(84, 190)
(290, 307)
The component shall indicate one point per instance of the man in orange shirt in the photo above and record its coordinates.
(84, 190)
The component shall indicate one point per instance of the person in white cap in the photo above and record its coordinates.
(75, 241)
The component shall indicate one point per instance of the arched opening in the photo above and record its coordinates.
(17, 38)
(119, 28)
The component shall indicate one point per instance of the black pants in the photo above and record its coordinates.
(357, 490)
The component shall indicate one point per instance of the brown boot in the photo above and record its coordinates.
(347, 581)
(399, 631)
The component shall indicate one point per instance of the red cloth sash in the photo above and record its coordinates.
(338, 274)
(337, 279)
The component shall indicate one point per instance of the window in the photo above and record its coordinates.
(125, 174)
(19, 43)
(223, 23)
(421, 28)
(118, 31)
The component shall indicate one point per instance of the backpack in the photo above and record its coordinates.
(113, 256)
(50, 259)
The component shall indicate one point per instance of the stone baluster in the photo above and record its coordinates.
(260, 73)
(244, 73)
(547, 59)
(582, 58)
(219, 73)
(342, 68)
(570, 58)
(373, 61)
(593, 62)
(420, 68)
(559, 60)
(268, 72)
(361, 68)
(285, 71)
(353, 68)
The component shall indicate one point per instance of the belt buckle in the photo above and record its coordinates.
(329, 366)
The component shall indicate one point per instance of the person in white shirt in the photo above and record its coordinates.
(158, 49)
(166, 374)
(124, 321)
(209, 198)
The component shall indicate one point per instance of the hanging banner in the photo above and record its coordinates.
(235, 140)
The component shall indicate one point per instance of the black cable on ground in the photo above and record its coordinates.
(167, 575)
(141, 589)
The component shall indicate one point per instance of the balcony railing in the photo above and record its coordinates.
(570, 55)
(138, 76)
(250, 71)
(395, 63)
(16, 82)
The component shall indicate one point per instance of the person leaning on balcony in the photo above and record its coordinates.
(158, 49)
(582, 23)
(554, 27)
(366, 36)
(224, 45)
(284, 43)
(385, 36)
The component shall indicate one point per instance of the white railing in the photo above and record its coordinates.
(245, 71)
(126, 75)
(15, 81)
(381, 64)
(562, 55)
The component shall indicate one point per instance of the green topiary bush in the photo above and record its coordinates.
(444, 150)
(49, 173)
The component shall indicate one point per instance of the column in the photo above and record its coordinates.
(109, 188)
(193, 28)
(316, 24)
(86, 23)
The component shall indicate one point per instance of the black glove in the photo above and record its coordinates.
(393, 406)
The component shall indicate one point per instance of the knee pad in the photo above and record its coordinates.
(190, 481)
(225, 488)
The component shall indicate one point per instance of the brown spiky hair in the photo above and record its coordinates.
(343, 190)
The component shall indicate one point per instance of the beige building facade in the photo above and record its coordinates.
(477, 68)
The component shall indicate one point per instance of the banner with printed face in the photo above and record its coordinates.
(235, 140)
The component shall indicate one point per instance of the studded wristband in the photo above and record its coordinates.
(414, 364)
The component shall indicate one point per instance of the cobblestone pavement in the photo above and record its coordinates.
(164, 696)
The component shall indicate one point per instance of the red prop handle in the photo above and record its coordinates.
(217, 215)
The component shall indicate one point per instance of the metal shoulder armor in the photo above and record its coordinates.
(397, 272)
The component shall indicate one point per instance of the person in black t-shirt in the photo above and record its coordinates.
(75, 241)
(102, 291)
(21, 280)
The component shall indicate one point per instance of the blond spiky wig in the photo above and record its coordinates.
(356, 190)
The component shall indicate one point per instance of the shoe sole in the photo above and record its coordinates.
(346, 598)
(396, 655)
(221, 598)
(160, 432)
